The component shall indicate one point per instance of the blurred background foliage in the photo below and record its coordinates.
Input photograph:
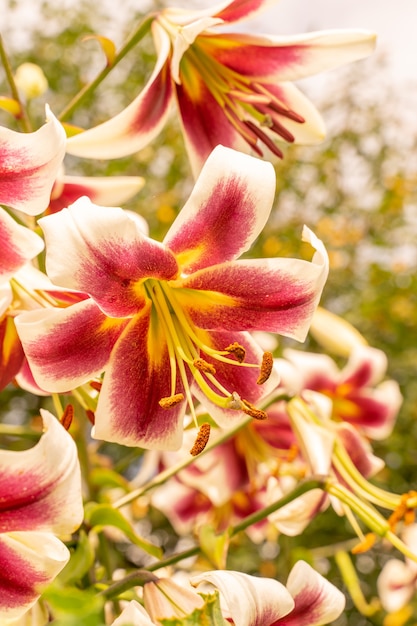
(357, 191)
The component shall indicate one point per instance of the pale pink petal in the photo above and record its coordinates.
(133, 615)
(293, 518)
(397, 584)
(312, 371)
(29, 164)
(184, 506)
(276, 295)
(67, 347)
(102, 252)
(29, 561)
(40, 488)
(134, 127)
(106, 191)
(18, 245)
(250, 600)
(227, 209)
(366, 367)
(166, 599)
(359, 450)
(137, 377)
(317, 601)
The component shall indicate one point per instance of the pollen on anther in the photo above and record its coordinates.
(95, 384)
(170, 401)
(237, 350)
(254, 412)
(67, 416)
(266, 368)
(202, 439)
(203, 366)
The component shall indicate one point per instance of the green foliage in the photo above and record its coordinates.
(209, 615)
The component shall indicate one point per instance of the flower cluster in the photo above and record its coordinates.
(155, 352)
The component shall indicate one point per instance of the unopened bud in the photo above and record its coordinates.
(31, 80)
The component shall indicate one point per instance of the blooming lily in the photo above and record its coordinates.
(40, 497)
(168, 321)
(308, 599)
(29, 164)
(358, 396)
(231, 88)
(397, 582)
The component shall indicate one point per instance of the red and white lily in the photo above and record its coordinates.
(29, 164)
(231, 88)
(168, 321)
(358, 392)
(40, 497)
(308, 599)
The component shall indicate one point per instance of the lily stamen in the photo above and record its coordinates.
(170, 401)
(266, 368)
(201, 440)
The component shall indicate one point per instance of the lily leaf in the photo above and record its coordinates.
(214, 546)
(107, 45)
(100, 515)
(80, 562)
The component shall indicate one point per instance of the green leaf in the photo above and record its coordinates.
(100, 515)
(82, 558)
(209, 615)
(72, 607)
(214, 546)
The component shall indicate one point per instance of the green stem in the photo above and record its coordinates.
(23, 117)
(88, 89)
(143, 576)
(304, 486)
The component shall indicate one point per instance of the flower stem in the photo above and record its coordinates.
(23, 116)
(89, 88)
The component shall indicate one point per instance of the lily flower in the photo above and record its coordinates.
(231, 88)
(29, 164)
(397, 582)
(358, 392)
(308, 599)
(40, 497)
(170, 320)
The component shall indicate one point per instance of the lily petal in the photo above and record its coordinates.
(11, 351)
(292, 57)
(29, 164)
(316, 600)
(40, 488)
(227, 209)
(133, 615)
(108, 191)
(134, 127)
(102, 252)
(251, 601)
(18, 245)
(29, 561)
(276, 295)
(138, 376)
(67, 347)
